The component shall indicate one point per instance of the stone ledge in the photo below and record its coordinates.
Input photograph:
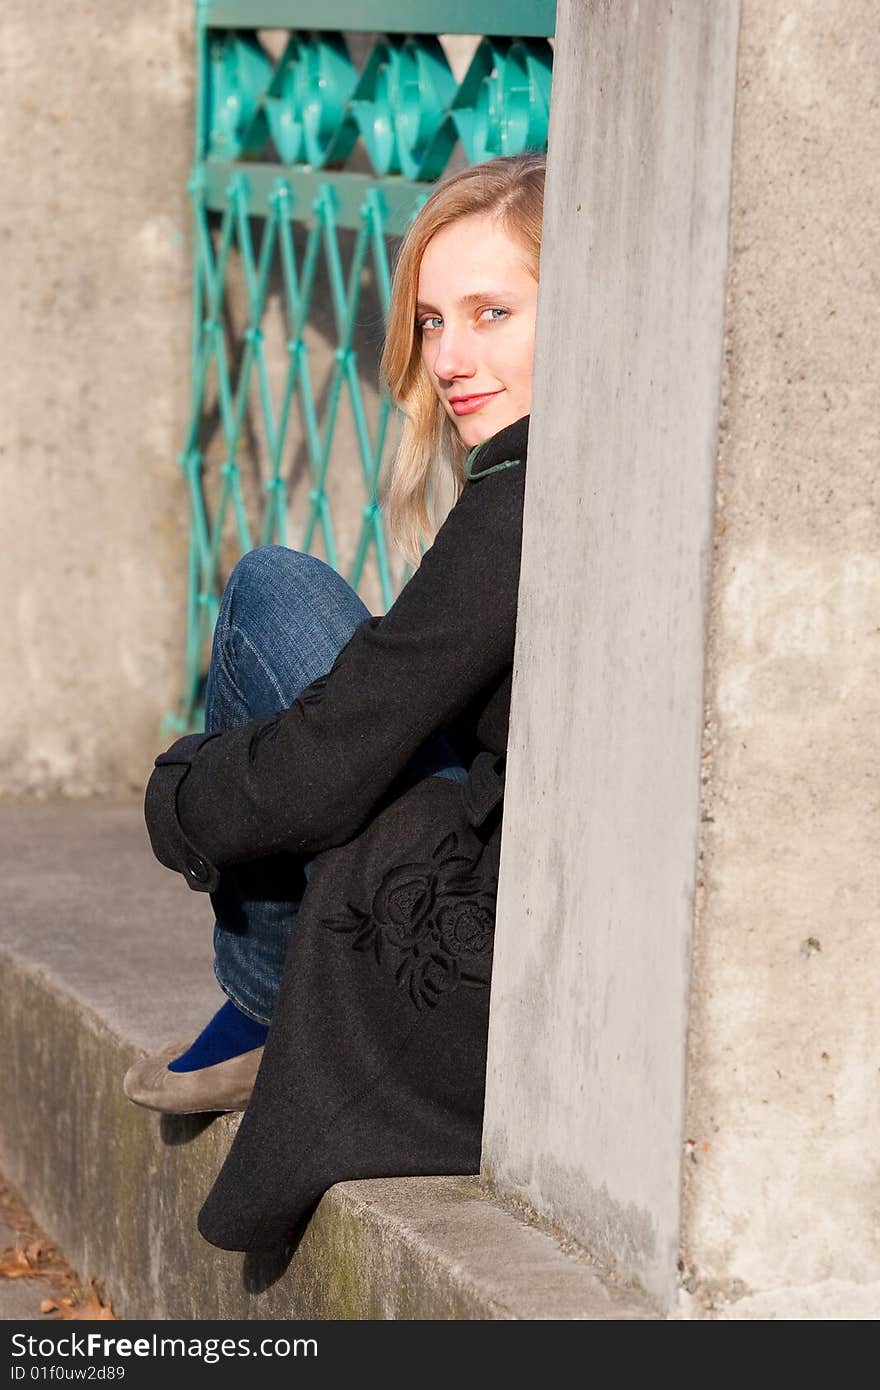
(89, 929)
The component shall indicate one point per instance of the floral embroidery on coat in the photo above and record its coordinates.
(434, 916)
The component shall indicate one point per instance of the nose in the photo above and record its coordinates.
(454, 357)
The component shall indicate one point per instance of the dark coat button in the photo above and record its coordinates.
(197, 869)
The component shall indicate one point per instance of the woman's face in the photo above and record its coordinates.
(476, 316)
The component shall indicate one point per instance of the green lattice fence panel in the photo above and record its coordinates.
(316, 142)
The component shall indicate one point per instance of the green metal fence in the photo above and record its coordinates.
(312, 131)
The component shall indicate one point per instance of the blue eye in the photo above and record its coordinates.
(496, 313)
(429, 322)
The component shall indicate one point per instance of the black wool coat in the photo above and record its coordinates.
(376, 1057)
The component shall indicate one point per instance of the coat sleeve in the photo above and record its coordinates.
(307, 778)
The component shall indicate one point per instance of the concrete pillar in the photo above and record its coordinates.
(96, 124)
(782, 1182)
(587, 1042)
(622, 825)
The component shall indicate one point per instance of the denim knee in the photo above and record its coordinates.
(267, 565)
(275, 576)
(283, 619)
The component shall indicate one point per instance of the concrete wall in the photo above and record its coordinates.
(587, 1041)
(95, 129)
(95, 222)
(782, 1178)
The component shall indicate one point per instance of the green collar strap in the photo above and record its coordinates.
(470, 476)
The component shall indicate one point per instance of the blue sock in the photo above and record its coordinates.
(229, 1033)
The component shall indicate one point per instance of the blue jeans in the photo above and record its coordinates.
(283, 619)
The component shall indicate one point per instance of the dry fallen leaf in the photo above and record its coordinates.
(39, 1260)
(94, 1309)
(46, 1261)
(14, 1264)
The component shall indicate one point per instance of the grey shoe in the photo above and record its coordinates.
(224, 1086)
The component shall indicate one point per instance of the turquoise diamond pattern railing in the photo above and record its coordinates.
(406, 105)
(272, 203)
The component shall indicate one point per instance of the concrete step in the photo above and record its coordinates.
(103, 954)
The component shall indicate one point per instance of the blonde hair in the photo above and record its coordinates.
(512, 189)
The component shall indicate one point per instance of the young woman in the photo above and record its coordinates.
(343, 807)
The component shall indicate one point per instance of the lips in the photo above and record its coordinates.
(466, 405)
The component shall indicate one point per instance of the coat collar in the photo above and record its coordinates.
(507, 447)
